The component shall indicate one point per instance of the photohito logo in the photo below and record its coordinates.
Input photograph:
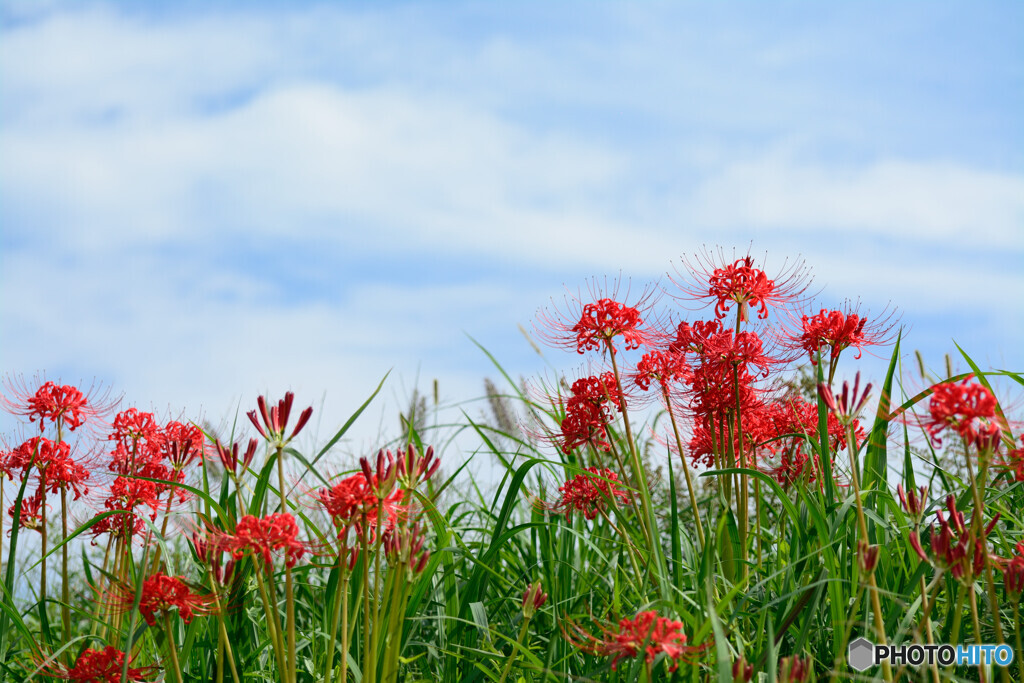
(862, 654)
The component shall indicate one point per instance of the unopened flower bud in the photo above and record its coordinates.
(533, 600)
(867, 556)
(741, 671)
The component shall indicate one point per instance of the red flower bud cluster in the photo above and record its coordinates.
(275, 420)
(1013, 572)
(950, 543)
(405, 545)
(794, 669)
(533, 599)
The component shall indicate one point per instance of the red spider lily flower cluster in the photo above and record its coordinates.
(275, 420)
(1013, 573)
(100, 666)
(533, 599)
(59, 404)
(353, 503)
(714, 278)
(966, 408)
(604, 320)
(950, 543)
(263, 536)
(834, 330)
(647, 635)
(144, 450)
(590, 494)
(54, 470)
(742, 284)
(588, 411)
(162, 593)
(663, 367)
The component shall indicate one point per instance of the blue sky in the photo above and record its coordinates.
(200, 202)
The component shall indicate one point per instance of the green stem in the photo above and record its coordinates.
(686, 469)
(270, 612)
(343, 587)
(977, 627)
(1020, 650)
(514, 654)
(288, 587)
(171, 647)
(65, 591)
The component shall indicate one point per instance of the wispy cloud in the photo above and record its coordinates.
(204, 204)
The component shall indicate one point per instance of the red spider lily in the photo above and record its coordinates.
(663, 368)
(99, 666)
(55, 403)
(132, 426)
(604, 320)
(209, 554)
(741, 671)
(713, 277)
(595, 324)
(275, 420)
(414, 468)
(31, 514)
(1013, 572)
(838, 330)
(352, 502)
(587, 412)
(53, 463)
(647, 634)
(589, 493)
(967, 408)
(261, 536)
(162, 593)
(127, 494)
(950, 543)
(182, 444)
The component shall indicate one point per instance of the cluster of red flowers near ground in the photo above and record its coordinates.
(100, 666)
(647, 634)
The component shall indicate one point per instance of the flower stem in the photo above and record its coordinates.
(288, 587)
(513, 656)
(686, 469)
(171, 647)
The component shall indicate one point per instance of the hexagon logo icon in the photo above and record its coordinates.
(861, 654)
